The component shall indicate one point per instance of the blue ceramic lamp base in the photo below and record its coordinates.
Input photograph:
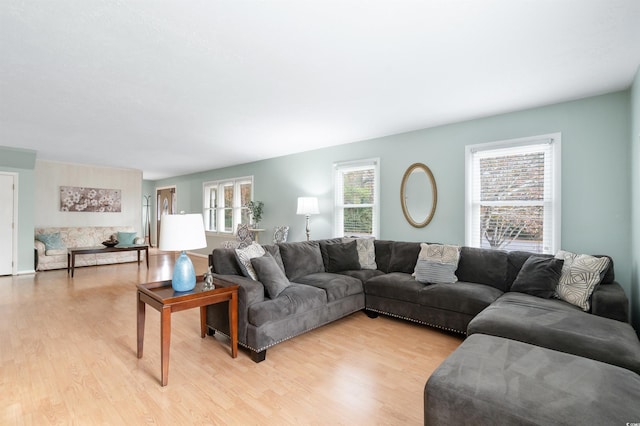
(184, 276)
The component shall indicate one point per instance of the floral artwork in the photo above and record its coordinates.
(81, 199)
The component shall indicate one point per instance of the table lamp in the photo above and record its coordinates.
(308, 206)
(181, 232)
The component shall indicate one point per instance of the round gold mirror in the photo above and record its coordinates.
(418, 195)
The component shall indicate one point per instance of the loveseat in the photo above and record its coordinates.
(61, 238)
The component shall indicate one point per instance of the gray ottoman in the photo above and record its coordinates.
(554, 324)
(490, 380)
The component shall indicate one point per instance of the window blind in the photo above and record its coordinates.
(514, 196)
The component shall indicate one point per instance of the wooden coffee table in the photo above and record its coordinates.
(161, 296)
(72, 252)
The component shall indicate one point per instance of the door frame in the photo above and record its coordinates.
(14, 230)
(155, 210)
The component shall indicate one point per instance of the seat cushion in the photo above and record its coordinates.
(295, 299)
(557, 325)
(363, 274)
(394, 285)
(336, 286)
(464, 297)
(490, 380)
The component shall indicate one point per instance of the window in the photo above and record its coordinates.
(357, 197)
(513, 194)
(225, 204)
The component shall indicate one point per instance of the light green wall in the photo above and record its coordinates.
(596, 175)
(22, 162)
(635, 200)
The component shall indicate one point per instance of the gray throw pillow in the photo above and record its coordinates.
(539, 276)
(270, 275)
(343, 257)
(366, 252)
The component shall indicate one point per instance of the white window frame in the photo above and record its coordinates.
(218, 227)
(552, 189)
(339, 206)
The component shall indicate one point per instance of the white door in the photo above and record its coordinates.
(6, 224)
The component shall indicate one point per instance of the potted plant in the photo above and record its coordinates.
(255, 208)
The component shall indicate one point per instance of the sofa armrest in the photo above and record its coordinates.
(40, 247)
(249, 292)
(610, 301)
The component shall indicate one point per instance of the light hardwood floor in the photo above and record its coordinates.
(68, 356)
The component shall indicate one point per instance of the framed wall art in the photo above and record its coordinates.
(83, 199)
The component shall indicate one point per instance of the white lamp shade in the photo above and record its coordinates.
(182, 232)
(308, 205)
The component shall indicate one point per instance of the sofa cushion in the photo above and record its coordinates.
(366, 252)
(538, 276)
(336, 286)
(245, 255)
(56, 252)
(484, 266)
(383, 254)
(270, 275)
(394, 285)
(295, 299)
(403, 257)
(274, 251)
(580, 275)
(51, 241)
(489, 380)
(323, 249)
(126, 238)
(560, 326)
(463, 297)
(301, 258)
(363, 274)
(225, 262)
(342, 257)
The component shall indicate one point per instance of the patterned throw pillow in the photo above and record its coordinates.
(366, 252)
(580, 275)
(244, 256)
(51, 241)
(437, 263)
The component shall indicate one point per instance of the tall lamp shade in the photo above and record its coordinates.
(182, 232)
(308, 206)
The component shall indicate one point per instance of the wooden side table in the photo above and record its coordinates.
(161, 296)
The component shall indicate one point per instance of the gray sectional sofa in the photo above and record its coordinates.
(326, 280)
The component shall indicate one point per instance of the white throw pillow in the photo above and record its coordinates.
(437, 263)
(580, 275)
(244, 256)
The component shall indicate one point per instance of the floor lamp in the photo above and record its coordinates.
(308, 206)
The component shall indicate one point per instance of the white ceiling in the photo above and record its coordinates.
(172, 87)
